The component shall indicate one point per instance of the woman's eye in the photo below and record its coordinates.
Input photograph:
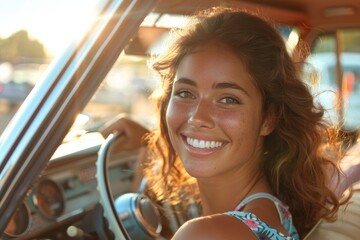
(185, 94)
(229, 100)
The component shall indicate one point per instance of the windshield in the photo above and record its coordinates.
(32, 35)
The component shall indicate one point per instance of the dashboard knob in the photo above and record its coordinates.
(73, 231)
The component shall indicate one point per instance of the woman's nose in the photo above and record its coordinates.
(202, 115)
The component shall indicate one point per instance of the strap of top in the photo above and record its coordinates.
(262, 195)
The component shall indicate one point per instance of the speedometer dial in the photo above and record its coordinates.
(50, 199)
(19, 223)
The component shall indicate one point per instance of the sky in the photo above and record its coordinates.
(53, 22)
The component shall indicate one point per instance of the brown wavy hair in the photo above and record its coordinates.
(300, 152)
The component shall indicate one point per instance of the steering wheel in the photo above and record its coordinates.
(132, 215)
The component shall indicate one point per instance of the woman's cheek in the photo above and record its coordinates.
(175, 115)
(231, 119)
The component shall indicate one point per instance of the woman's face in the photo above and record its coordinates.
(214, 116)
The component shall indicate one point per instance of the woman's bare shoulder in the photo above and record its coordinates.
(214, 227)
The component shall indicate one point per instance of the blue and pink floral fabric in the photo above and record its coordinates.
(261, 229)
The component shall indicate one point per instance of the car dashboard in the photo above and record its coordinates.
(66, 193)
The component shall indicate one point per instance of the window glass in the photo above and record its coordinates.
(336, 59)
(32, 34)
(125, 90)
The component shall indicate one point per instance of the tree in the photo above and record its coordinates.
(20, 48)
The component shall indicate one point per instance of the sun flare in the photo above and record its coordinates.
(53, 23)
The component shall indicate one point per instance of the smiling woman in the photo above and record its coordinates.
(238, 130)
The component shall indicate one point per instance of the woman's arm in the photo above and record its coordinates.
(350, 165)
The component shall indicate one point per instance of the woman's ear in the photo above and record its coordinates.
(269, 124)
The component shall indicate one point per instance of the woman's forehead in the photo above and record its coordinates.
(213, 59)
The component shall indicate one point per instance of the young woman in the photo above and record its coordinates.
(240, 132)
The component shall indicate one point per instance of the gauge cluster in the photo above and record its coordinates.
(66, 192)
(49, 198)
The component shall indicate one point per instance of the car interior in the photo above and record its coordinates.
(76, 187)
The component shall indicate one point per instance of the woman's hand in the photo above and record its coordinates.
(133, 133)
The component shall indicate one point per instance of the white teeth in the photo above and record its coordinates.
(202, 143)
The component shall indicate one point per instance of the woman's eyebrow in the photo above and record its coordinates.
(224, 85)
(186, 81)
(221, 85)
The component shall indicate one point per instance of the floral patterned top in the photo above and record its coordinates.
(261, 229)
